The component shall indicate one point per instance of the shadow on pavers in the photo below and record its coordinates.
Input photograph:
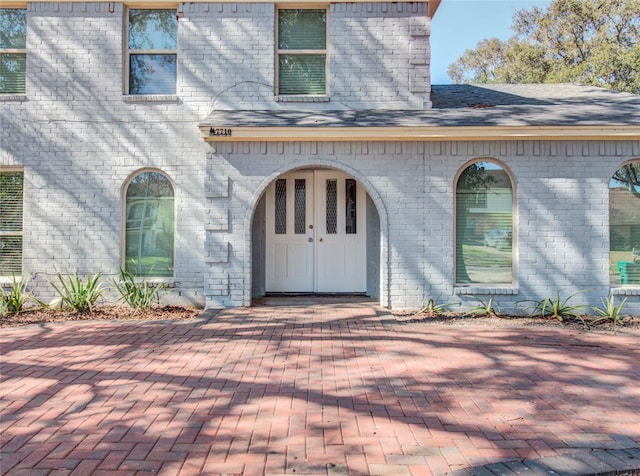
(619, 462)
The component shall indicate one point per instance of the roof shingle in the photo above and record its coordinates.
(464, 106)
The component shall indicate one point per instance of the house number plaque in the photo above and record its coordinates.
(220, 132)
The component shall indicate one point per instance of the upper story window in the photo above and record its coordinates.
(11, 192)
(152, 51)
(484, 225)
(302, 51)
(13, 50)
(149, 225)
(624, 225)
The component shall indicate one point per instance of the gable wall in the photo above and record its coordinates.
(378, 57)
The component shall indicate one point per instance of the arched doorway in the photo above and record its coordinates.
(316, 231)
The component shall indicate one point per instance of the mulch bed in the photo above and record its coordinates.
(103, 313)
(629, 324)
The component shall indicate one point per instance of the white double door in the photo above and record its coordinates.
(316, 233)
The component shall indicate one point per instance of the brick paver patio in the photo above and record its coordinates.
(314, 389)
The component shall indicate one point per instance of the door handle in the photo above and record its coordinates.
(310, 240)
(321, 240)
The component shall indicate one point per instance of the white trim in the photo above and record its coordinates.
(150, 98)
(316, 52)
(302, 98)
(16, 51)
(128, 52)
(630, 290)
(156, 3)
(6, 97)
(482, 289)
(20, 233)
(123, 221)
(514, 229)
(423, 133)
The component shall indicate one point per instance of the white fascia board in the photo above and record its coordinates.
(160, 2)
(224, 133)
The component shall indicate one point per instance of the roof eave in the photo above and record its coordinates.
(222, 133)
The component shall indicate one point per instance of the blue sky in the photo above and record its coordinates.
(460, 24)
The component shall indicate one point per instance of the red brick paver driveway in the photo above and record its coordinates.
(319, 389)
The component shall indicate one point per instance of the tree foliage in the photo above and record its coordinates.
(593, 42)
(628, 176)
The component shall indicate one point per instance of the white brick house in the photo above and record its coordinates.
(237, 149)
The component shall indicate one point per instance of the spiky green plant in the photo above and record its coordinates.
(137, 294)
(77, 294)
(609, 311)
(558, 308)
(488, 308)
(12, 301)
(432, 307)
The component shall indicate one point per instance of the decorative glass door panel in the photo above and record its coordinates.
(315, 238)
(289, 248)
(341, 241)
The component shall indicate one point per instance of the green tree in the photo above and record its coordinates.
(593, 42)
(628, 176)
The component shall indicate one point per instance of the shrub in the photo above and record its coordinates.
(77, 294)
(12, 301)
(558, 308)
(138, 295)
(488, 308)
(609, 311)
(432, 308)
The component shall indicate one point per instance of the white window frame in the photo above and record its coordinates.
(123, 239)
(514, 254)
(634, 250)
(21, 232)
(16, 51)
(129, 52)
(318, 52)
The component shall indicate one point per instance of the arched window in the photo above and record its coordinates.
(624, 225)
(484, 225)
(149, 217)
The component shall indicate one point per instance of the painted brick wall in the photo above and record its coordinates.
(226, 53)
(227, 56)
(79, 140)
(561, 214)
(385, 44)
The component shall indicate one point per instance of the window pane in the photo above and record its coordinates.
(150, 226)
(302, 29)
(300, 207)
(152, 29)
(150, 184)
(624, 225)
(13, 28)
(152, 74)
(13, 73)
(332, 206)
(281, 207)
(10, 255)
(11, 185)
(302, 74)
(11, 205)
(484, 224)
(351, 208)
(13, 35)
